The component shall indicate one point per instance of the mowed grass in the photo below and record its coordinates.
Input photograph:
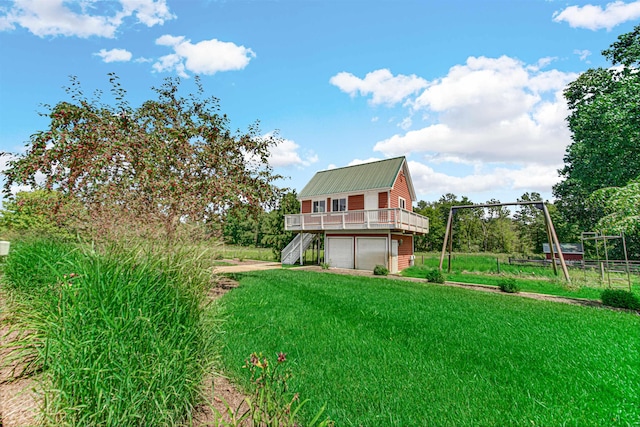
(384, 352)
(121, 337)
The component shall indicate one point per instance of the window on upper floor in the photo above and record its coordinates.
(402, 203)
(338, 205)
(319, 206)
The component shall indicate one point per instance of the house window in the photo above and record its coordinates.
(338, 205)
(402, 203)
(319, 206)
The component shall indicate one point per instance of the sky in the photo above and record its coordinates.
(470, 91)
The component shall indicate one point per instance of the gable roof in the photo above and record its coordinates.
(567, 248)
(378, 175)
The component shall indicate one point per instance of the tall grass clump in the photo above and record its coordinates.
(120, 336)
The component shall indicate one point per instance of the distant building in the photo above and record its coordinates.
(570, 251)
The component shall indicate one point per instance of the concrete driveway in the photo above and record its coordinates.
(246, 266)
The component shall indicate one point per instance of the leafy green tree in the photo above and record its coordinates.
(498, 229)
(431, 241)
(530, 224)
(242, 226)
(273, 232)
(43, 212)
(172, 160)
(604, 120)
(621, 213)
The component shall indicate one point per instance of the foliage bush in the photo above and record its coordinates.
(509, 285)
(435, 276)
(620, 298)
(43, 213)
(380, 270)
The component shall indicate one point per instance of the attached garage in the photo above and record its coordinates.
(371, 251)
(340, 252)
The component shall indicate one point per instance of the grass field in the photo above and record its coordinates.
(483, 269)
(396, 353)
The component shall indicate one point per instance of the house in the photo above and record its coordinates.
(364, 214)
(570, 251)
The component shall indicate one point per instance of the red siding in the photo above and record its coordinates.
(356, 203)
(567, 257)
(383, 200)
(306, 206)
(405, 250)
(401, 189)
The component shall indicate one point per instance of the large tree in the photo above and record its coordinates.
(604, 120)
(621, 213)
(172, 160)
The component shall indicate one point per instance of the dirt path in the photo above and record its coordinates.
(221, 395)
(239, 267)
(18, 399)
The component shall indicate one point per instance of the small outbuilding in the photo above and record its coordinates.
(570, 251)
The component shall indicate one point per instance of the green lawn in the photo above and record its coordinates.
(383, 352)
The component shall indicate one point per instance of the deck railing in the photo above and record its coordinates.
(378, 219)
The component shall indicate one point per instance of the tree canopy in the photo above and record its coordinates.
(604, 119)
(173, 159)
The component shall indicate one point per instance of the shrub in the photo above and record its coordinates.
(324, 265)
(620, 298)
(509, 285)
(435, 276)
(380, 270)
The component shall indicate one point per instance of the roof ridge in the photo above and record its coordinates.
(363, 164)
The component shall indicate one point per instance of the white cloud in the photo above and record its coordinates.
(286, 154)
(583, 54)
(595, 17)
(81, 18)
(149, 12)
(542, 63)
(490, 110)
(486, 179)
(205, 57)
(405, 123)
(381, 84)
(114, 55)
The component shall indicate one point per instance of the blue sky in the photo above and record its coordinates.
(470, 91)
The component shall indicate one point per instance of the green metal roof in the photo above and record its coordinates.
(367, 176)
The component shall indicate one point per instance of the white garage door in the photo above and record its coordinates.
(340, 252)
(370, 251)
